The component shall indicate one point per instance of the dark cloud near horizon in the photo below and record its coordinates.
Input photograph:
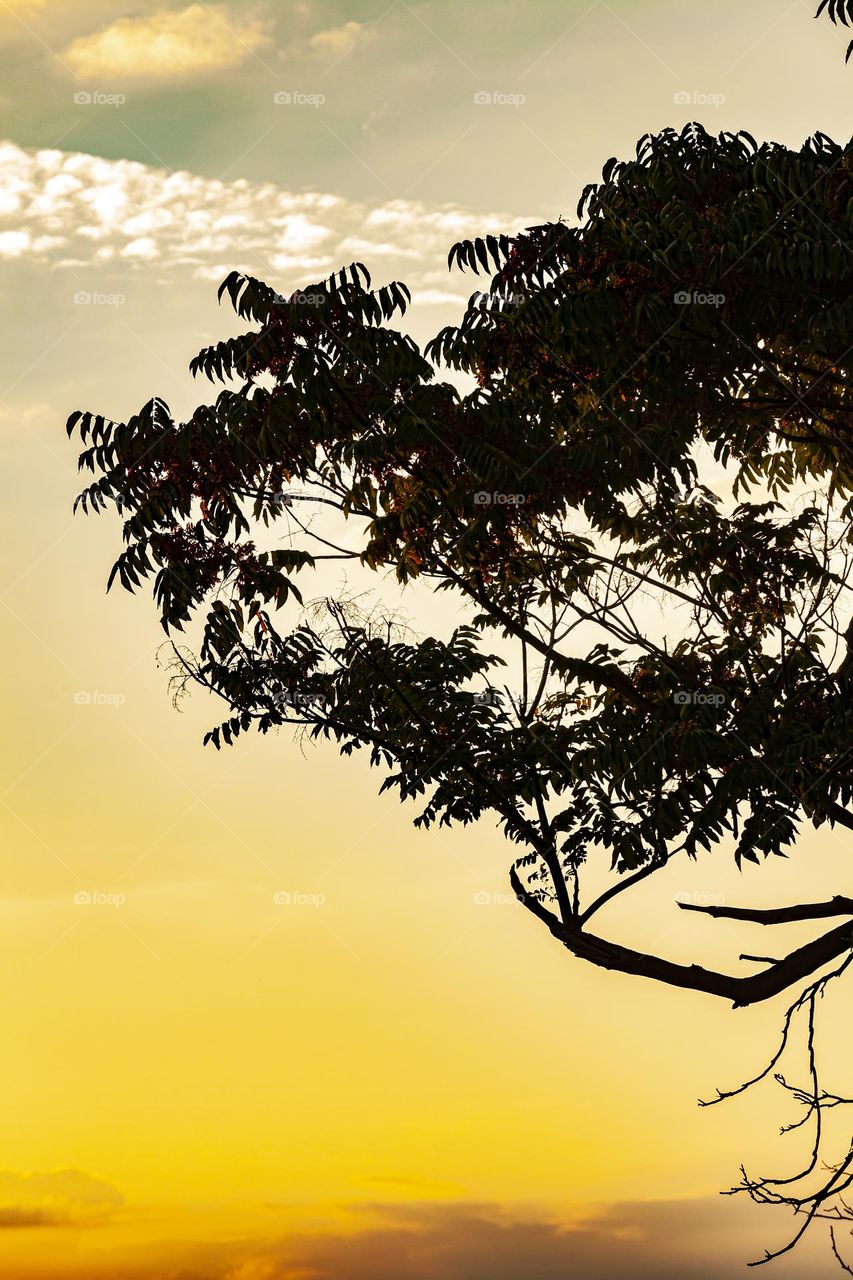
(702, 1239)
(681, 1240)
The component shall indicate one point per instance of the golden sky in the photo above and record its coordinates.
(256, 1026)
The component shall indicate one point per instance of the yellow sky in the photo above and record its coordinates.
(381, 1074)
(232, 1064)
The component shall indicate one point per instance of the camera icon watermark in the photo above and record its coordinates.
(696, 298)
(84, 298)
(94, 98)
(484, 301)
(482, 498)
(695, 698)
(487, 698)
(94, 698)
(695, 98)
(286, 898)
(484, 899)
(85, 898)
(497, 98)
(298, 98)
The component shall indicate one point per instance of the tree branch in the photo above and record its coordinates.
(741, 991)
(837, 906)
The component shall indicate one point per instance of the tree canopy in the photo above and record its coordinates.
(639, 486)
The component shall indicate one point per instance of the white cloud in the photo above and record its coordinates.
(67, 209)
(434, 298)
(167, 44)
(337, 41)
(357, 246)
(145, 249)
(300, 233)
(14, 244)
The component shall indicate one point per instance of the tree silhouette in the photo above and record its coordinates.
(642, 496)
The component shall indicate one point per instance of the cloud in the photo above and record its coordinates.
(337, 41)
(700, 1239)
(167, 44)
(14, 244)
(663, 1240)
(54, 1199)
(91, 215)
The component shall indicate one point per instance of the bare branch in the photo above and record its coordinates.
(837, 906)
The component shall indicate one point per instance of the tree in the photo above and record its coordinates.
(693, 329)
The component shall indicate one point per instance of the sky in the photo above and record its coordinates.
(257, 1027)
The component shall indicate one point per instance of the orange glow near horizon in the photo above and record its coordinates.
(257, 1026)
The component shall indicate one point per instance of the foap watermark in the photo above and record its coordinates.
(85, 298)
(697, 698)
(484, 899)
(488, 698)
(483, 301)
(482, 498)
(301, 700)
(497, 98)
(298, 98)
(94, 698)
(700, 899)
(97, 500)
(697, 298)
(696, 98)
(288, 898)
(114, 500)
(512, 699)
(95, 98)
(302, 298)
(95, 898)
